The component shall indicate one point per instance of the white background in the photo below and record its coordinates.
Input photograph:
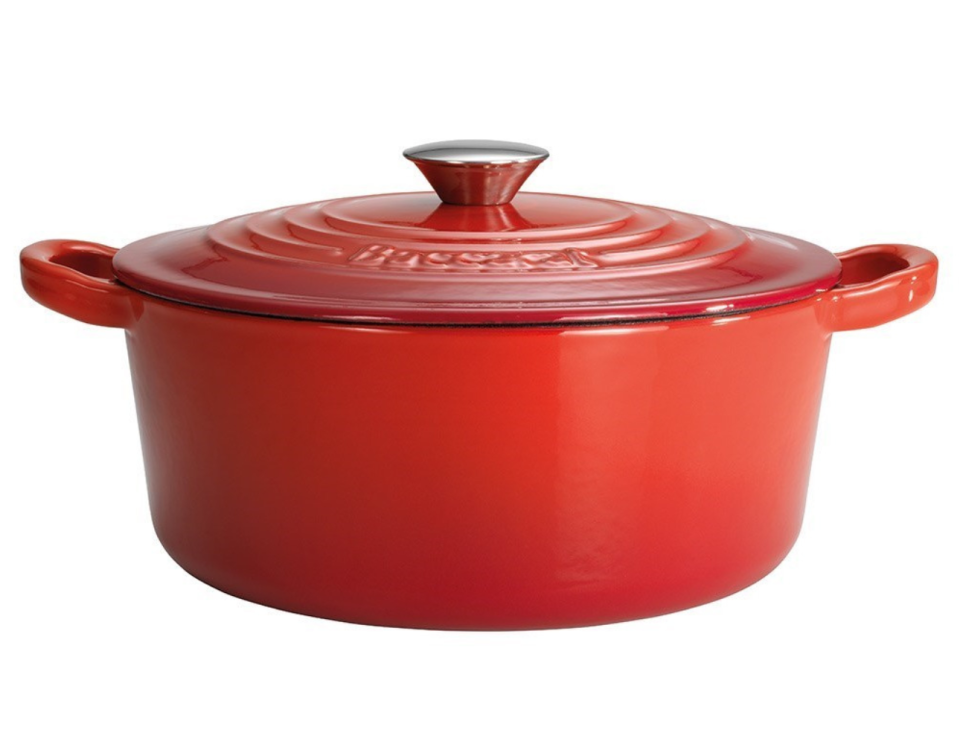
(833, 121)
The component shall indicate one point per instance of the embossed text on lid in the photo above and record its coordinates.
(409, 258)
(477, 253)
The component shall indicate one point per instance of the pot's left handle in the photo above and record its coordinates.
(76, 279)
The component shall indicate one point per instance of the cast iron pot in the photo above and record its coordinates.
(487, 411)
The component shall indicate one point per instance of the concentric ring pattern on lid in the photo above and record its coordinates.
(500, 259)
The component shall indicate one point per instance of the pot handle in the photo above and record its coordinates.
(76, 279)
(880, 283)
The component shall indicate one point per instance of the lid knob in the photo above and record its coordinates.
(476, 173)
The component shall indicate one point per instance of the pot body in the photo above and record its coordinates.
(477, 478)
(470, 477)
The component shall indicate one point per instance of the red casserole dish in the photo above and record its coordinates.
(483, 410)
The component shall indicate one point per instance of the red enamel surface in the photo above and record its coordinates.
(477, 478)
(408, 258)
(442, 477)
(476, 184)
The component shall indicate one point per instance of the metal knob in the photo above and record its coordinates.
(476, 173)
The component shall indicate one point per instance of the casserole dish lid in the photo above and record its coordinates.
(476, 252)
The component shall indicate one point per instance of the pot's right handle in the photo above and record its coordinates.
(880, 283)
(76, 279)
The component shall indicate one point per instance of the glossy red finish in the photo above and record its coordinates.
(476, 184)
(880, 283)
(513, 477)
(76, 279)
(408, 258)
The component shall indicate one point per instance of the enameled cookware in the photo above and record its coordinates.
(483, 410)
